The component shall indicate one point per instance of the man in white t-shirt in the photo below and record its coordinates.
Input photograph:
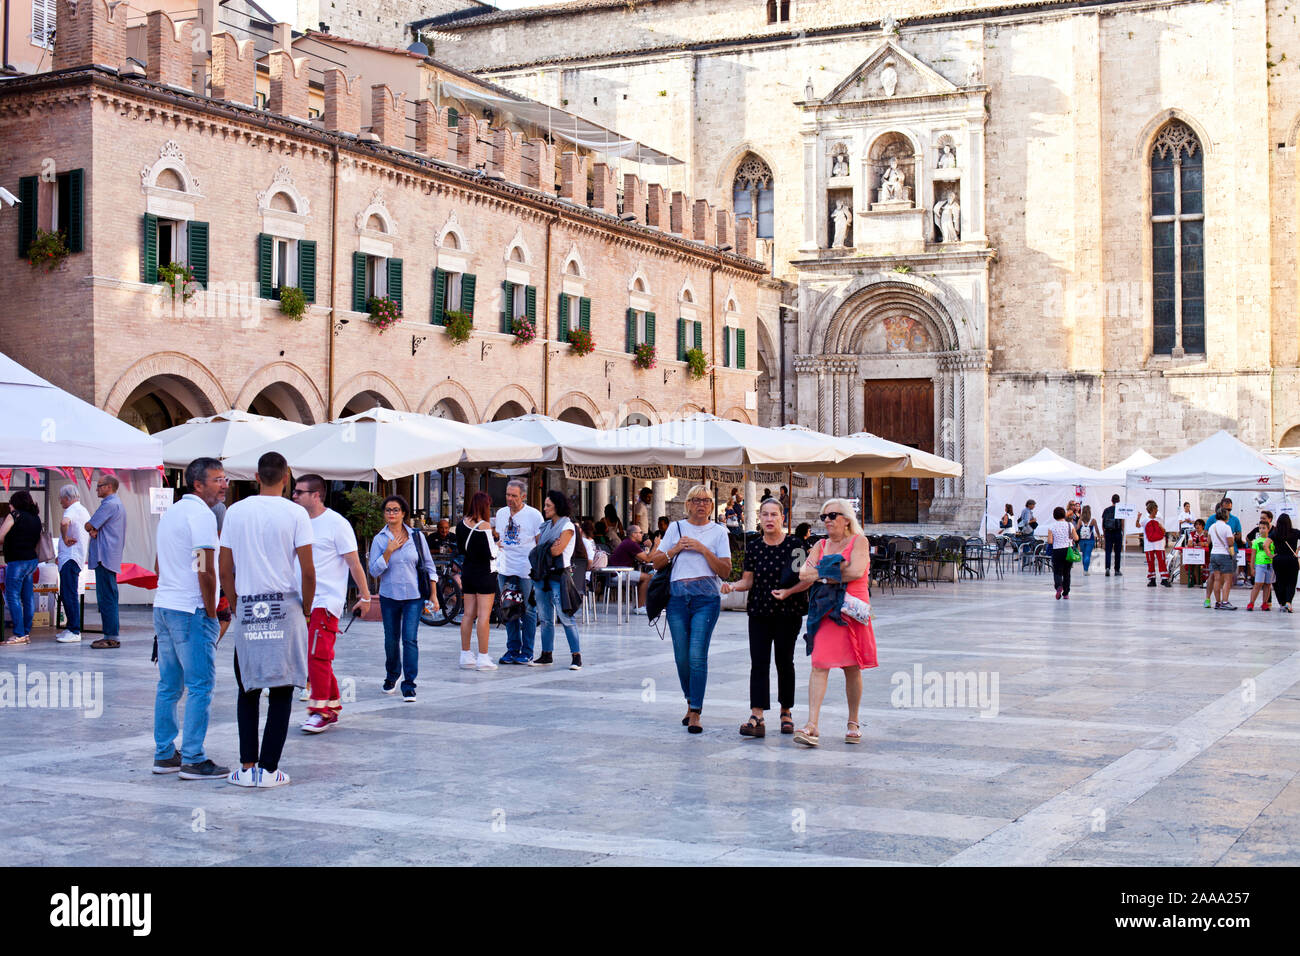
(268, 591)
(185, 621)
(74, 541)
(334, 549)
(516, 526)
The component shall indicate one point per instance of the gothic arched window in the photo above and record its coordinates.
(751, 194)
(1177, 242)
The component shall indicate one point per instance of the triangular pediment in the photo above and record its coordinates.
(872, 80)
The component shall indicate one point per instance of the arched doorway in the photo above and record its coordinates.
(363, 401)
(509, 410)
(163, 401)
(282, 400)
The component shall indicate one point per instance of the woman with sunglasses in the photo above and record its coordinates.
(850, 646)
(398, 555)
(699, 551)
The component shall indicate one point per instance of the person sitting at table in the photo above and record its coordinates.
(630, 554)
(441, 540)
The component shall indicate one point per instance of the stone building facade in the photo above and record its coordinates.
(141, 170)
(1001, 225)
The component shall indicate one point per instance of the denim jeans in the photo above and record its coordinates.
(521, 631)
(550, 606)
(187, 663)
(106, 600)
(70, 594)
(401, 624)
(691, 620)
(1085, 549)
(20, 596)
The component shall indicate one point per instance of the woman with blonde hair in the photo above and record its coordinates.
(850, 646)
(699, 551)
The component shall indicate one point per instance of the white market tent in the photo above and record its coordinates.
(221, 436)
(1050, 480)
(1170, 500)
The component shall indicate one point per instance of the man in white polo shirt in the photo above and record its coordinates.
(185, 620)
(74, 542)
(516, 526)
(334, 549)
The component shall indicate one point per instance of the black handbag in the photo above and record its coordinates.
(422, 556)
(660, 590)
(570, 596)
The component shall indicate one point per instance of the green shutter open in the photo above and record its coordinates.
(681, 340)
(650, 328)
(530, 304)
(740, 348)
(77, 212)
(196, 241)
(27, 193)
(307, 268)
(584, 314)
(629, 342)
(149, 250)
(726, 347)
(359, 282)
(265, 279)
(437, 315)
(507, 305)
(467, 284)
(453, 117)
(699, 335)
(562, 319)
(395, 282)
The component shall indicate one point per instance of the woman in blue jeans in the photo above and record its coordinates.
(561, 539)
(398, 556)
(700, 553)
(19, 533)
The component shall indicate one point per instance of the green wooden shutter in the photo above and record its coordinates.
(438, 314)
(650, 328)
(149, 250)
(307, 269)
(681, 340)
(562, 318)
(196, 240)
(264, 259)
(507, 305)
(453, 117)
(467, 284)
(629, 343)
(584, 314)
(395, 282)
(76, 214)
(740, 348)
(359, 282)
(726, 347)
(27, 192)
(699, 336)
(530, 304)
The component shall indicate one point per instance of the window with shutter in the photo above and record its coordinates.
(453, 117)
(681, 340)
(562, 319)
(740, 348)
(76, 179)
(149, 250)
(44, 17)
(395, 282)
(650, 328)
(28, 187)
(439, 312)
(507, 305)
(307, 268)
(530, 304)
(629, 343)
(197, 251)
(699, 336)
(584, 314)
(359, 282)
(467, 284)
(265, 287)
(726, 348)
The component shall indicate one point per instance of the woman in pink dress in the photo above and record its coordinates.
(850, 646)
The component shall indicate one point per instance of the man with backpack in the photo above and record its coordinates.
(1113, 532)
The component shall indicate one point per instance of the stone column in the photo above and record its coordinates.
(811, 218)
(599, 498)
(751, 505)
(659, 506)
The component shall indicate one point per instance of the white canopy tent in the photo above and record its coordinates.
(221, 436)
(1049, 479)
(1170, 501)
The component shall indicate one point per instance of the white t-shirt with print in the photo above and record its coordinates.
(1060, 534)
(514, 546)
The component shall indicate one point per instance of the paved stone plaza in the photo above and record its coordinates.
(1133, 727)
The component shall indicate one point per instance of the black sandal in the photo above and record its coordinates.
(787, 722)
(753, 727)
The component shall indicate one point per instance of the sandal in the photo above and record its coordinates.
(853, 736)
(686, 721)
(787, 722)
(807, 736)
(753, 728)
(694, 728)
(106, 642)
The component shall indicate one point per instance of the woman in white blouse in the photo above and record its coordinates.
(1061, 536)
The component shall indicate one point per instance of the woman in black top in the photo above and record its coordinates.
(775, 615)
(20, 533)
(1286, 567)
(478, 580)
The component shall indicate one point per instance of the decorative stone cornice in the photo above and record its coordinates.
(973, 360)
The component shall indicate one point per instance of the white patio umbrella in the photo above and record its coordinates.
(221, 436)
(550, 433)
(388, 444)
(871, 456)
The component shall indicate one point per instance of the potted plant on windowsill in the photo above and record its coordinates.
(293, 302)
(644, 357)
(581, 342)
(459, 326)
(178, 277)
(47, 250)
(384, 313)
(523, 330)
(696, 363)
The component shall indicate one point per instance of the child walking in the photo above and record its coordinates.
(1264, 577)
(1153, 543)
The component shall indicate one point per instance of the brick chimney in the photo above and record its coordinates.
(507, 156)
(388, 115)
(657, 208)
(744, 237)
(168, 46)
(604, 197)
(634, 197)
(90, 33)
(234, 69)
(289, 76)
(573, 178)
(342, 102)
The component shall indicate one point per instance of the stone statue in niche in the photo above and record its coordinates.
(889, 78)
(947, 218)
(808, 93)
(889, 26)
(842, 217)
(947, 157)
(839, 165)
(973, 75)
(893, 186)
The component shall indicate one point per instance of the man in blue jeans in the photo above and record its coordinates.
(107, 528)
(516, 527)
(185, 619)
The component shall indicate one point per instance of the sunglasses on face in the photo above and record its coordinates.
(829, 516)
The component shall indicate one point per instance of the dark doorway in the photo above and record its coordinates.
(901, 410)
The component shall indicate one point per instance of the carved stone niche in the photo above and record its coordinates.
(893, 170)
(839, 222)
(947, 162)
(839, 163)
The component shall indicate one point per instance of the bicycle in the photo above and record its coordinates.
(451, 600)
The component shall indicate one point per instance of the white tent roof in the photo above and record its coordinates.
(1116, 474)
(1046, 468)
(550, 433)
(222, 435)
(1219, 463)
(42, 426)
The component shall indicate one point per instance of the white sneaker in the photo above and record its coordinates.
(485, 663)
(271, 778)
(306, 694)
(243, 778)
(315, 724)
(467, 660)
(67, 637)
(638, 610)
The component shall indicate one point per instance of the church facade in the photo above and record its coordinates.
(1001, 226)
